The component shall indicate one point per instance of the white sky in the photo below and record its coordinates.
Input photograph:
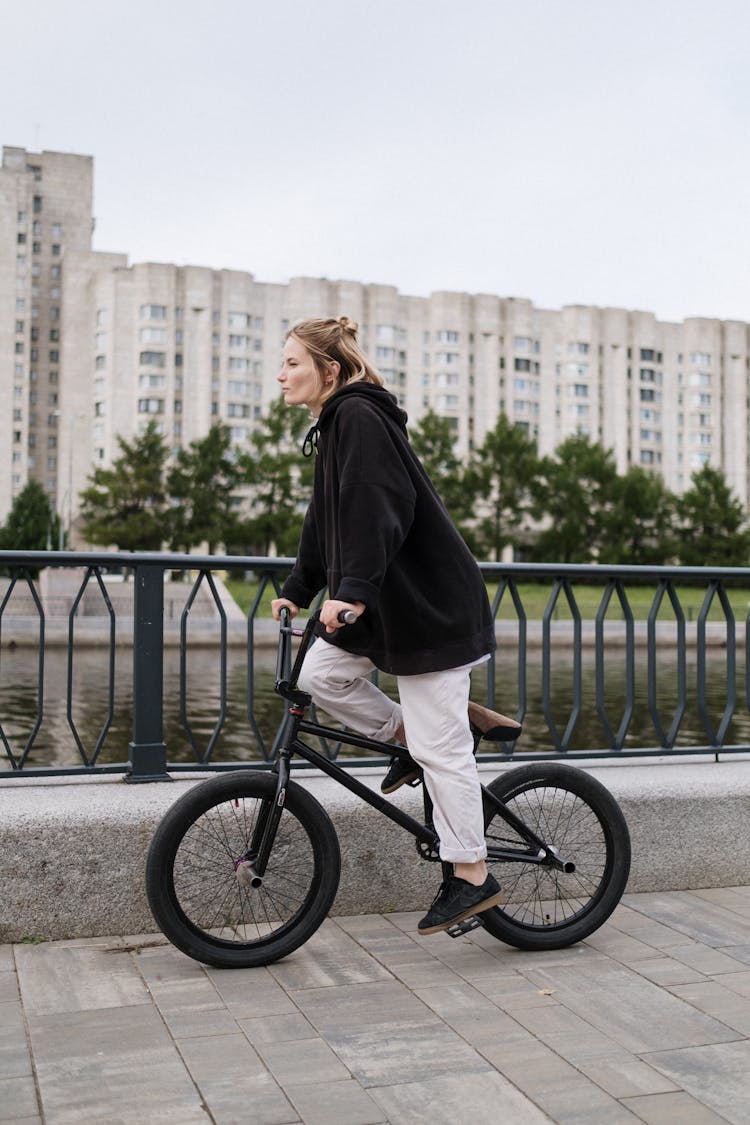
(570, 151)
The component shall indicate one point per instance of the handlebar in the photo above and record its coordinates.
(286, 680)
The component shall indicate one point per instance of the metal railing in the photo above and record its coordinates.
(556, 664)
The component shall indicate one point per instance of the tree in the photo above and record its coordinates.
(433, 441)
(711, 523)
(127, 503)
(499, 481)
(574, 493)
(639, 528)
(32, 524)
(281, 481)
(202, 481)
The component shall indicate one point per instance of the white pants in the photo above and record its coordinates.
(434, 713)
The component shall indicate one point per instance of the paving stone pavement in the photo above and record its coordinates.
(646, 1021)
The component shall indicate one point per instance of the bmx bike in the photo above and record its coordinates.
(243, 868)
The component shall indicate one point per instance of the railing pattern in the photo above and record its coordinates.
(617, 642)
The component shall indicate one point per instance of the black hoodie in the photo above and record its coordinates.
(377, 532)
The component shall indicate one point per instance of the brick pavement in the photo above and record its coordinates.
(647, 1021)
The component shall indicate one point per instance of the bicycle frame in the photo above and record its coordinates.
(537, 852)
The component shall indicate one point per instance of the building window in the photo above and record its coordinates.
(37, 204)
(523, 344)
(153, 335)
(100, 362)
(153, 359)
(150, 405)
(153, 312)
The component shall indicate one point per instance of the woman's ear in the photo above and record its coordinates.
(332, 372)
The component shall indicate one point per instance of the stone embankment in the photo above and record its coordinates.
(74, 849)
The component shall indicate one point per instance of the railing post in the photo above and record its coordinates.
(148, 751)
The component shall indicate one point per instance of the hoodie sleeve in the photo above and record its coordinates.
(376, 499)
(308, 574)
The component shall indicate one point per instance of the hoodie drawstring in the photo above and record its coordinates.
(310, 444)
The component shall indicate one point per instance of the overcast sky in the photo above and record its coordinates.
(569, 151)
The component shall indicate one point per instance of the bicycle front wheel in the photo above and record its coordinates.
(199, 894)
(546, 908)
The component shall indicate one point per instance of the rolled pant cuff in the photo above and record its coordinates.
(454, 855)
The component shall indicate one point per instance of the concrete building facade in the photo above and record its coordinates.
(186, 346)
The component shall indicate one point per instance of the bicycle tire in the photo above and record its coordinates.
(192, 883)
(546, 908)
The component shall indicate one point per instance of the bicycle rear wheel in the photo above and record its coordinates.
(202, 899)
(546, 908)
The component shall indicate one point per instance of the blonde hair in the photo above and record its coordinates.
(329, 340)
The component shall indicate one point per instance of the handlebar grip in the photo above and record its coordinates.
(347, 617)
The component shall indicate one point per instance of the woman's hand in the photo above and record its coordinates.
(330, 610)
(283, 603)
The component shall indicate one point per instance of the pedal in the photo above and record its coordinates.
(458, 929)
(428, 851)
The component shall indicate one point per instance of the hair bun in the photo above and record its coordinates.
(348, 325)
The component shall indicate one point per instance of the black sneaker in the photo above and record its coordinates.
(457, 900)
(402, 771)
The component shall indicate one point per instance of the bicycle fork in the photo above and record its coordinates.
(251, 867)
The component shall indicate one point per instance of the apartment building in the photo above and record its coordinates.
(186, 346)
(45, 213)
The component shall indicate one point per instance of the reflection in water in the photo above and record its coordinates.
(55, 745)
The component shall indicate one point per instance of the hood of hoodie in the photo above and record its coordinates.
(378, 396)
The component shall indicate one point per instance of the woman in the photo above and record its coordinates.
(378, 536)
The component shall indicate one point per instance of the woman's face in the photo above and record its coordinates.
(300, 382)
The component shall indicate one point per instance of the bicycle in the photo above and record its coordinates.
(244, 867)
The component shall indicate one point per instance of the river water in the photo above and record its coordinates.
(55, 745)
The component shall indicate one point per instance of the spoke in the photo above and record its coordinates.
(212, 895)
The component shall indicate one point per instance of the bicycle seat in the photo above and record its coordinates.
(493, 725)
